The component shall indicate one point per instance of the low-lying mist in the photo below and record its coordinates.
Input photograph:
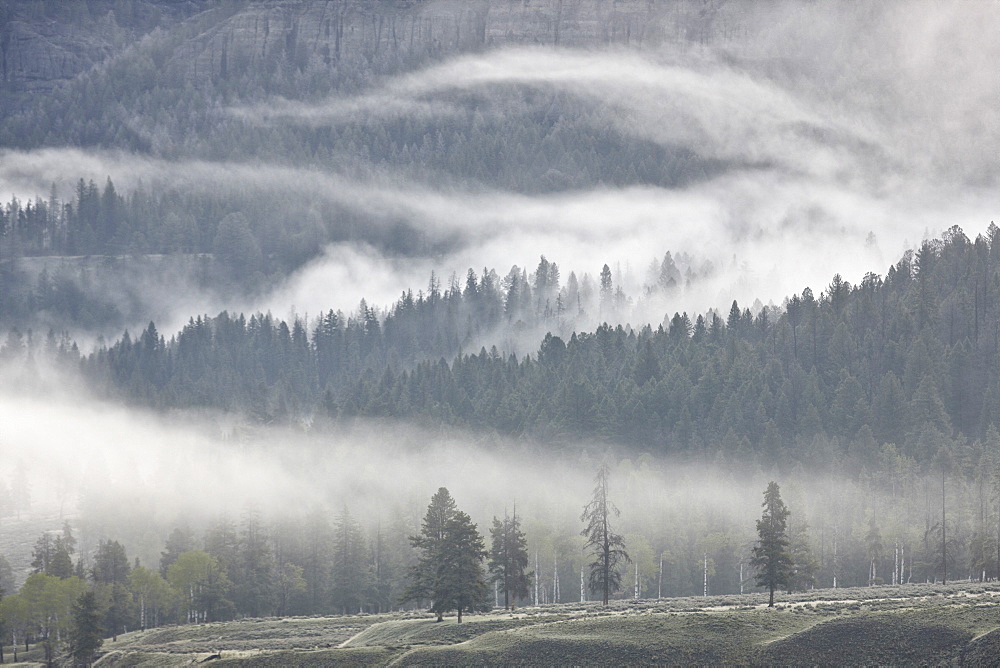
(133, 475)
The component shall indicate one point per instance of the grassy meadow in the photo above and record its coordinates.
(903, 625)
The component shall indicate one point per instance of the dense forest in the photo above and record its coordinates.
(904, 360)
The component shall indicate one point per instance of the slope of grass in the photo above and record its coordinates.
(697, 638)
(447, 632)
(881, 639)
(958, 625)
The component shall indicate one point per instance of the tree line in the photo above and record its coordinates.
(242, 574)
(70, 607)
(323, 563)
(902, 362)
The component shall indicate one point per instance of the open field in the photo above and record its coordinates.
(911, 624)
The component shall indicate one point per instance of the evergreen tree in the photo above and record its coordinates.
(350, 567)
(509, 559)
(607, 546)
(449, 572)
(423, 575)
(86, 632)
(110, 574)
(253, 568)
(461, 584)
(180, 540)
(771, 555)
(6, 577)
(804, 563)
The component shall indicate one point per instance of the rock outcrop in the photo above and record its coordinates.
(41, 49)
(45, 44)
(381, 35)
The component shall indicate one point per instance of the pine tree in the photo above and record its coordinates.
(607, 547)
(509, 559)
(350, 565)
(180, 540)
(771, 557)
(423, 575)
(110, 574)
(449, 572)
(461, 584)
(85, 635)
(252, 569)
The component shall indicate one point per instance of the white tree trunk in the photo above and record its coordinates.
(706, 575)
(537, 573)
(659, 581)
(834, 556)
(555, 580)
(583, 589)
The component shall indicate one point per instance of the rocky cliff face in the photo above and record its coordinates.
(383, 34)
(45, 44)
(40, 49)
(42, 54)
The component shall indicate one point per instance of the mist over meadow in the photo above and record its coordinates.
(305, 282)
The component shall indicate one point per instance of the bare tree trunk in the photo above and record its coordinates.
(834, 556)
(944, 542)
(659, 583)
(556, 594)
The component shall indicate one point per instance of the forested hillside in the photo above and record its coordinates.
(273, 272)
(219, 123)
(905, 359)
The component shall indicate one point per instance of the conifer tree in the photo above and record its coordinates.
(423, 575)
(771, 557)
(509, 559)
(110, 574)
(607, 546)
(350, 567)
(85, 635)
(461, 584)
(449, 572)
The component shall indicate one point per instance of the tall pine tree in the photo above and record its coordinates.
(607, 546)
(509, 559)
(771, 557)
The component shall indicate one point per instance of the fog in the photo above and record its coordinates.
(847, 133)
(134, 474)
(834, 123)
